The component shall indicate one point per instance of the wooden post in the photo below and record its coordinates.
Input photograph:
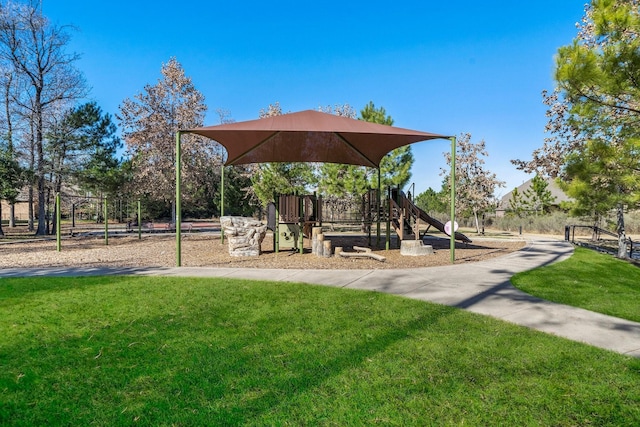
(326, 248)
(315, 232)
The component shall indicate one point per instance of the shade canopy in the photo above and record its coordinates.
(310, 136)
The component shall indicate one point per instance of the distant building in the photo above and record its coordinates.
(21, 208)
(556, 192)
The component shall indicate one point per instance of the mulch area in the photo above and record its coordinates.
(207, 250)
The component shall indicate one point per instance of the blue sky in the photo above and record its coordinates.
(444, 67)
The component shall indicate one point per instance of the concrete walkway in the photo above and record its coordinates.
(481, 287)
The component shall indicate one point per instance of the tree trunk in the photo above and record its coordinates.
(31, 215)
(1, 232)
(40, 166)
(42, 207)
(475, 216)
(622, 238)
(12, 215)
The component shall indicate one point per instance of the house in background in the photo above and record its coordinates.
(556, 192)
(21, 208)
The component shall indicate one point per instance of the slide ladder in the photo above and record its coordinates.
(406, 218)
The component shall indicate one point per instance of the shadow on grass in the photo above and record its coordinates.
(236, 367)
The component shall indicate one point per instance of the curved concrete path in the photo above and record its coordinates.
(482, 287)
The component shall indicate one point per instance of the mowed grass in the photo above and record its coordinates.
(159, 351)
(589, 280)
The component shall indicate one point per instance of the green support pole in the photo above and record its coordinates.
(139, 221)
(378, 194)
(276, 240)
(222, 202)
(301, 220)
(178, 201)
(106, 222)
(58, 219)
(387, 208)
(452, 238)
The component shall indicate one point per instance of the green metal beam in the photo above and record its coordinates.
(222, 202)
(452, 237)
(378, 198)
(58, 218)
(106, 222)
(139, 220)
(178, 201)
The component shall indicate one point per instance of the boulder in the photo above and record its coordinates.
(245, 235)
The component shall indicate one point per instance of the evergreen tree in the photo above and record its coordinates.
(516, 204)
(594, 113)
(395, 167)
(11, 178)
(431, 201)
(538, 197)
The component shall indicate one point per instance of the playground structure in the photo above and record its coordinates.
(293, 217)
(407, 218)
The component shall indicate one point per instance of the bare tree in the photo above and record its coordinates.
(475, 186)
(35, 50)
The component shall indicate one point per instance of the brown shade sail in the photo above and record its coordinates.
(310, 136)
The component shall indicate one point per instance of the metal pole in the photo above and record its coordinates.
(58, 218)
(452, 240)
(106, 222)
(276, 240)
(178, 201)
(388, 211)
(301, 222)
(378, 210)
(139, 221)
(222, 202)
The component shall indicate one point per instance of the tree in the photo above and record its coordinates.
(395, 167)
(89, 136)
(595, 110)
(516, 204)
(150, 122)
(282, 178)
(81, 149)
(11, 178)
(35, 50)
(538, 197)
(475, 186)
(595, 181)
(432, 201)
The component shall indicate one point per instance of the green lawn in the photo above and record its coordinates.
(172, 351)
(590, 280)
